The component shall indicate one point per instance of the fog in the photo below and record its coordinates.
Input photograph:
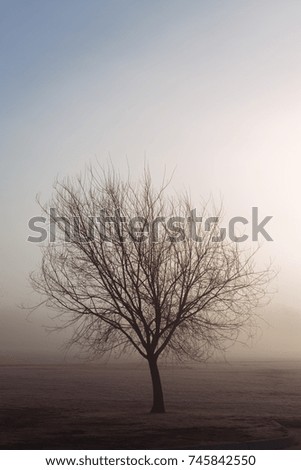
(208, 89)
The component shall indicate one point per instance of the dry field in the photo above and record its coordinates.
(105, 406)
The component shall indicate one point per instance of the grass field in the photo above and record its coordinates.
(106, 405)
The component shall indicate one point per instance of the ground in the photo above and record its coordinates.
(105, 406)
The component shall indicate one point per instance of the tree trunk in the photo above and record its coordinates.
(158, 399)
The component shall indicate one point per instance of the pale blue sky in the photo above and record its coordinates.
(211, 88)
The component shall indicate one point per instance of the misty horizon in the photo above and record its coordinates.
(102, 104)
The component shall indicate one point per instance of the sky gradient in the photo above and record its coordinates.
(208, 88)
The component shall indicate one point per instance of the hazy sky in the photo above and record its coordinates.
(210, 88)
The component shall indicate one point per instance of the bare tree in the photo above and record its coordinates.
(127, 273)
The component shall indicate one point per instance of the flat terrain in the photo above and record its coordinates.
(98, 406)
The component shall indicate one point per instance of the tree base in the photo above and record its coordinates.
(157, 410)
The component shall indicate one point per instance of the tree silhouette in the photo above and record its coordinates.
(127, 273)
